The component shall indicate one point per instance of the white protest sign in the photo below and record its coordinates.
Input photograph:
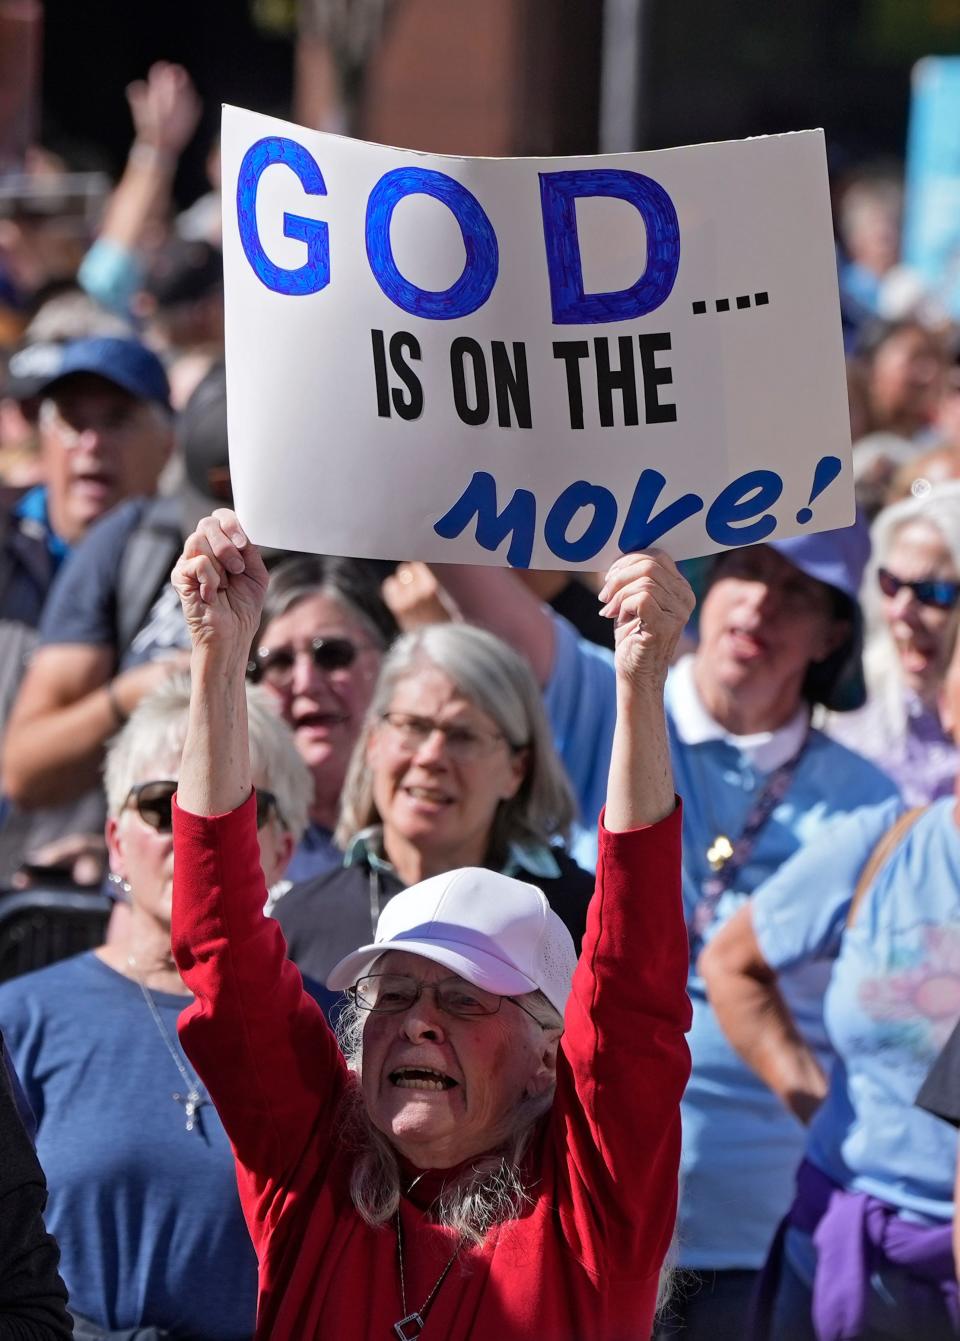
(536, 361)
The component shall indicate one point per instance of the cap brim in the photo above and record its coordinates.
(120, 379)
(474, 965)
(83, 371)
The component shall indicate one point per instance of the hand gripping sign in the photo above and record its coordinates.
(543, 362)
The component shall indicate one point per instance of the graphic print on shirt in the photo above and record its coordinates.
(916, 1002)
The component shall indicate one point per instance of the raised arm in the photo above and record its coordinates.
(625, 1058)
(755, 1018)
(258, 1041)
(651, 603)
(221, 580)
(166, 111)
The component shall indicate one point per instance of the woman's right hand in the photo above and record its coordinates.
(221, 581)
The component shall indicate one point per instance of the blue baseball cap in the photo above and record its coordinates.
(126, 363)
(837, 558)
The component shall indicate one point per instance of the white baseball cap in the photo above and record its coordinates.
(498, 933)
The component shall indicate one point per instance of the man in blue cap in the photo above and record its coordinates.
(779, 633)
(106, 432)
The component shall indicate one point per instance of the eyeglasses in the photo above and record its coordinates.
(153, 802)
(941, 593)
(393, 993)
(463, 743)
(275, 664)
(117, 419)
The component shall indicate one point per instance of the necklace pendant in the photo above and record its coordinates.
(191, 1107)
(720, 852)
(409, 1327)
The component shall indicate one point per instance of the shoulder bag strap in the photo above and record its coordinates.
(881, 854)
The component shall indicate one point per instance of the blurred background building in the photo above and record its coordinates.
(497, 77)
(502, 76)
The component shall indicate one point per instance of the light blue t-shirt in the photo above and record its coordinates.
(740, 1146)
(892, 1002)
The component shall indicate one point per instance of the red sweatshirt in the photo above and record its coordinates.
(582, 1263)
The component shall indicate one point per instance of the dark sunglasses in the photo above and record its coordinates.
(941, 593)
(153, 802)
(275, 665)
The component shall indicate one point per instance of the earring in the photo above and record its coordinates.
(121, 886)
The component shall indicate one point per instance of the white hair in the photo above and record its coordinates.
(489, 1193)
(939, 509)
(154, 735)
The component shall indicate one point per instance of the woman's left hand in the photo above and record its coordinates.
(651, 602)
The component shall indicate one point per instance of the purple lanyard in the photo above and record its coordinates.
(716, 885)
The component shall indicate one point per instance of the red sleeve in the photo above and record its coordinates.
(259, 1042)
(624, 1059)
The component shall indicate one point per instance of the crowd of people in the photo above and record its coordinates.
(573, 957)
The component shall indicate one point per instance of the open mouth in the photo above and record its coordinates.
(428, 795)
(746, 641)
(421, 1078)
(93, 482)
(320, 721)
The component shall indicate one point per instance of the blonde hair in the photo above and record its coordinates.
(155, 732)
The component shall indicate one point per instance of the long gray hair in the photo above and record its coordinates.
(490, 1192)
(490, 674)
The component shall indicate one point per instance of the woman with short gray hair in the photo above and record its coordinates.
(454, 766)
(143, 1198)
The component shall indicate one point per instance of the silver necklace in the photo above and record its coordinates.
(193, 1099)
(412, 1324)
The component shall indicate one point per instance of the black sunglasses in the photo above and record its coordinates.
(153, 802)
(275, 665)
(941, 593)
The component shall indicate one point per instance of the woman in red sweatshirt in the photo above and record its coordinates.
(497, 1155)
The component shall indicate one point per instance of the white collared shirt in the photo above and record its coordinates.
(764, 751)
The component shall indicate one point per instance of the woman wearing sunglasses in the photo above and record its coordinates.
(324, 630)
(911, 603)
(143, 1196)
(454, 767)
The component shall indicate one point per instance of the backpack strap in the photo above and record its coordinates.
(881, 854)
(148, 558)
(8, 501)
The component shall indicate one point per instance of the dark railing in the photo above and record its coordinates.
(39, 926)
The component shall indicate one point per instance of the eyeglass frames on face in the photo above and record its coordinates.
(116, 420)
(941, 593)
(462, 742)
(153, 802)
(274, 665)
(394, 993)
